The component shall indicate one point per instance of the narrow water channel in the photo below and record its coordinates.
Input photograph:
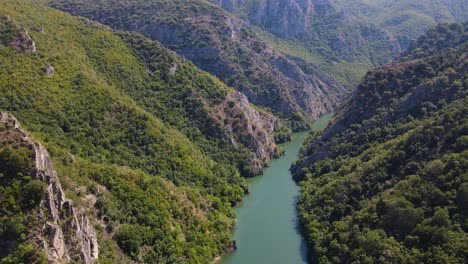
(266, 230)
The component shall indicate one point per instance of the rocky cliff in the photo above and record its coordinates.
(64, 230)
(347, 37)
(244, 125)
(339, 41)
(284, 18)
(227, 47)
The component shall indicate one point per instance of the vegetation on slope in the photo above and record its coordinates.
(387, 182)
(132, 123)
(345, 37)
(319, 32)
(19, 199)
(224, 46)
(406, 20)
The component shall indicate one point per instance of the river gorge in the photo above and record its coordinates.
(267, 227)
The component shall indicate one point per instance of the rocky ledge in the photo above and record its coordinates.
(66, 232)
(250, 127)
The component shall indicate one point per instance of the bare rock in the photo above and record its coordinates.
(71, 158)
(49, 70)
(67, 231)
(24, 42)
(173, 69)
(251, 128)
(57, 247)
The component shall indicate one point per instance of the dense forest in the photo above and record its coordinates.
(159, 143)
(386, 182)
(227, 47)
(129, 141)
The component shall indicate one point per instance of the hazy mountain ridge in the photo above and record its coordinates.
(346, 37)
(406, 20)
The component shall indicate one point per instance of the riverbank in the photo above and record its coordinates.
(267, 229)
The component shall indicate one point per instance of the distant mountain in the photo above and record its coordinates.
(225, 46)
(406, 20)
(386, 181)
(345, 38)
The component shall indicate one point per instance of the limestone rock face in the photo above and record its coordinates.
(285, 18)
(66, 231)
(25, 42)
(251, 128)
(226, 46)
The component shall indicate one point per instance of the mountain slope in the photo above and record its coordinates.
(386, 181)
(406, 20)
(226, 47)
(38, 213)
(319, 31)
(146, 144)
(345, 38)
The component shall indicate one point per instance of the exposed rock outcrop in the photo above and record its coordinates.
(284, 18)
(49, 70)
(249, 127)
(225, 46)
(16, 37)
(24, 42)
(31, 45)
(66, 231)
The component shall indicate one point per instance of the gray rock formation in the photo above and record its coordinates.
(29, 46)
(49, 70)
(284, 18)
(66, 230)
(257, 129)
(20, 39)
(224, 45)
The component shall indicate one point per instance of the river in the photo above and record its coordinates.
(266, 230)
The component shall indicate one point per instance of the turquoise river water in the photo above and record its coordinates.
(267, 229)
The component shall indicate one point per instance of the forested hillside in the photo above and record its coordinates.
(225, 46)
(149, 147)
(406, 20)
(129, 141)
(386, 181)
